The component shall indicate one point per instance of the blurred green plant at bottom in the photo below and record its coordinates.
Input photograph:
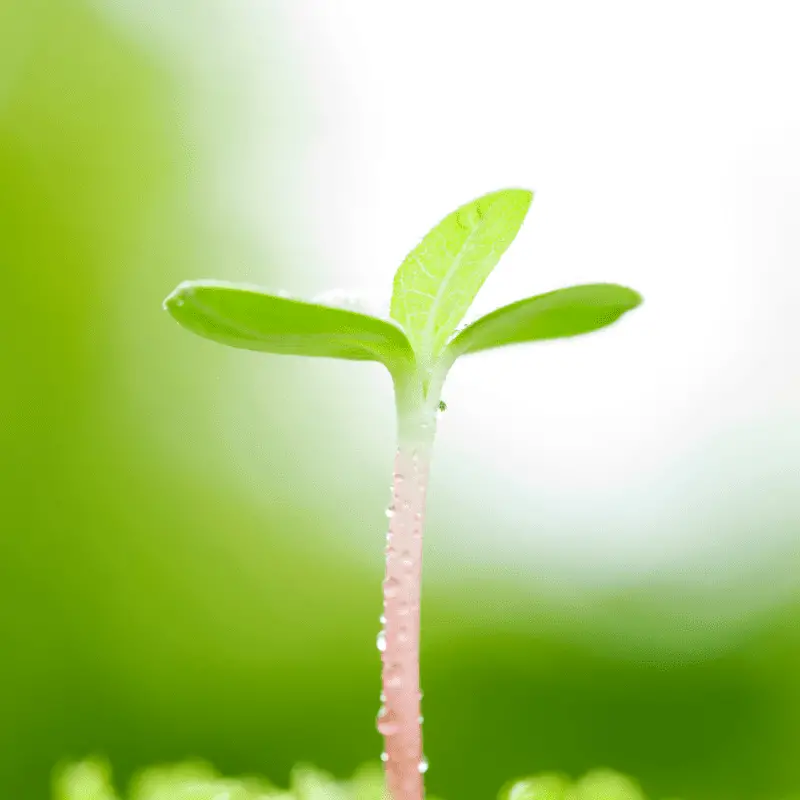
(91, 780)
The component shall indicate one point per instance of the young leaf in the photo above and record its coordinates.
(558, 314)
(438, 280)
(252, 319)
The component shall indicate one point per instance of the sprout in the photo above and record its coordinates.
(433, 290)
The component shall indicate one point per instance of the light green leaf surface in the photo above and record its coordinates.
(555, 315)
(252, 319)
(438, 280)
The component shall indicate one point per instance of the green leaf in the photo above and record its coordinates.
(555, 315)
(89, 780)
(606, 785)
(438, 280)
(252, 319)
(541, 787)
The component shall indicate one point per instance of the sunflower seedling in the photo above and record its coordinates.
(418, 344)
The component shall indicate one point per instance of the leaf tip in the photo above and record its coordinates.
(515, 196)
(178, 296)
(634, 298)
(525, 195)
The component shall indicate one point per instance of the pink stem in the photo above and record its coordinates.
(399, 719)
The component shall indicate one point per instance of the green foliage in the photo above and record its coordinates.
(436, 284)
(92, 781)
(433, 289)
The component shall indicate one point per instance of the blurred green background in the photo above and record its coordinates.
(169, 591)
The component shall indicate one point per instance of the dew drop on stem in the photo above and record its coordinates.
(423, 765)
(381, 642)
(387, 723)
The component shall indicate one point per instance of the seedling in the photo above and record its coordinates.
(433, 289)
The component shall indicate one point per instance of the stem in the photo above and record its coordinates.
(399, 719)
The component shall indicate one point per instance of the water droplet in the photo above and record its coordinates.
(381, 642)
(390, 587)
(384, 757)
(387, 723)
(423, 765)
(390, 512)
(420, 719)
(382, 619)
(179, 301)
(383, 697)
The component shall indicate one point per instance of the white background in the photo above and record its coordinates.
(663, 144)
